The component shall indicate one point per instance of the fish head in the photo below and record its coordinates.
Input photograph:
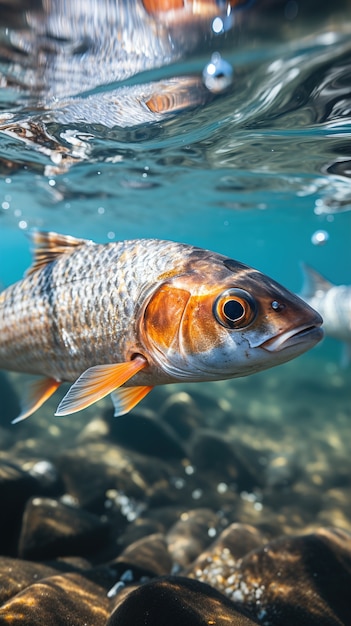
(222, 319)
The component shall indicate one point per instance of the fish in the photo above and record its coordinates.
(333, 302)
(122, 317)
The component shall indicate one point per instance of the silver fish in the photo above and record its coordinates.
(125, 316)
(333, 302)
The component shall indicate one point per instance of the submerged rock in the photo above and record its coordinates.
(58, 600)
(17, 574)
(91, 472)
(181, 413)
(175, 601)
(290, 581)
(191, 534)
(224, 519)
(146, 434)
(212, 452)
(149, 554)
(16, 487)
(51, 529)
(232, 544)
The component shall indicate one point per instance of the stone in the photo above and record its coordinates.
(180, 412)
(232, 544)
(91, 471)
(51, 529)
(212, 452)
(16, 487)
(149, 554)
(190, 535)
(165, 515)
(17, 574)
(46, 474)
(139, 528)
(174, 601)
(291, 580)
(58, 600)
(145, 433)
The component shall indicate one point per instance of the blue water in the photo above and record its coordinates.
(252, 172)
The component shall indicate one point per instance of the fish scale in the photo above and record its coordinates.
(125, 316)
(78, 308)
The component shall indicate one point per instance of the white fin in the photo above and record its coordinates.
(313, 282)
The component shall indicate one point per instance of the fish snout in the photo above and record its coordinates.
(304, 335)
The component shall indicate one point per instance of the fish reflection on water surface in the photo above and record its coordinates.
(76, 61)
(125, 316)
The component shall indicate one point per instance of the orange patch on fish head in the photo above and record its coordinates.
(200, 332)
(188, 315)
(162, 317)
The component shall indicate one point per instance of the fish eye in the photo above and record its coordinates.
(235, 308)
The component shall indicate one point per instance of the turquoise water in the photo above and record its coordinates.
(252, 172)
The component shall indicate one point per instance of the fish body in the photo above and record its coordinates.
(333, 302)
(130, 315)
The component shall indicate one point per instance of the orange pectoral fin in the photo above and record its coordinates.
(96, 383)
(126, 398)
(40, 391)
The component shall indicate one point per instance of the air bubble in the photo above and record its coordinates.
(320, 238)
(217, 26)
(197, 494)
(218, 74)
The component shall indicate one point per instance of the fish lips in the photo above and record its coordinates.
(307, 334)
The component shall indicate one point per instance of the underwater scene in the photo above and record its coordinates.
(194, 466)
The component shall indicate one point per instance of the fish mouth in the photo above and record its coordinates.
(307, 334)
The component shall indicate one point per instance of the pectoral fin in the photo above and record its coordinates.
(96, 383)
(39, 392)
(126, 398)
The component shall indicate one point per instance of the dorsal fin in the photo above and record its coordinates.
(48, 246)
(313, 282)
